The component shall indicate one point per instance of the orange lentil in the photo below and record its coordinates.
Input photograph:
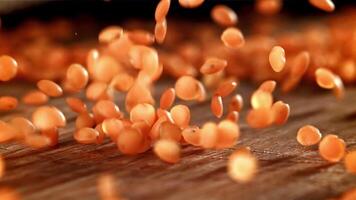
(236, 103)
(216, 106)
(7, 132)
(92, 59)
(8, 103)
(138, 93)
(228, 134)
(332, 148)
(170, 131)
(122, 82)
(280, 111)
(308, 135)
(48, 117)
(242, 166)
(23, 126)
(37, 141)
(300, 64)
(187, 88)
(225, 88)
(50, 88)
(7, 193)
(161, 31)
(277, 58)
(130, 140)
(52, 135)
(77, 76)
(96, 90)
(268, 86)
(162, 10)
(181, 115)
(105, 68)
(2, 166)
(107, 188)
(106, 109)
(261, 99)
(232, 38)
(190, 3)
(141, 37)
(349, 195)
(167, 98)
(86, 135)
(209, 135)
(8, 68)
(326, 5)
(325, 78)
(213, 65)
(268, 7)
(223, 15)
(35, 98)
(192, 135)
(339, 90)
(259, 118)
(154, 132)
(76, 104)
(112, 128)
(350, 162)
(233, 116)
(110, 34)
(201, 96)
(143, 112)
(84, 119)
(167, 150)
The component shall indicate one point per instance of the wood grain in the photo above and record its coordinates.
(287, 170)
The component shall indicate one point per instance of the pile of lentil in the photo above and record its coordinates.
(130, 62)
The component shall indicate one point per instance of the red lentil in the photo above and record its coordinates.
(223, 15)
(76, 104)
(109, 34)
(162, 10)
(37, 141)
(86, 135)
(143, 112)
(169, 131)
(130, 140)
(228, 134)
(192, 135)
(350, 162)
(308, 135)
(141, 37)
(23, 126)
(213, 65)
(77, 76)
(190, 3)
(225, 88)
(326, 5)
(50, 88)
(261, 99)
(236, 103)
(332, 148)
(280, 111)
(182, 85)
(161, 31)
(233, 116)
(259, 118)
(112, 128)
(122, 82)
(277, 58)
(232, 38)
(8, 68)
(325, 78)
(181, 115)
(48, 117)
(216, 106)
(84, 119)
(7, 132)
(8, 103)
(167, 150)
(167, 98)
(35, 98)
(268, 7)
(242, 166)
(209, 135)
(268, 86)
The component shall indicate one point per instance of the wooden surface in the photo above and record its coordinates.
(287, 170)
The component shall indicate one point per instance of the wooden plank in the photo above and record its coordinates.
(287, 170)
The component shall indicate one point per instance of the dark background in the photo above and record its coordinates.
(114, 11)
